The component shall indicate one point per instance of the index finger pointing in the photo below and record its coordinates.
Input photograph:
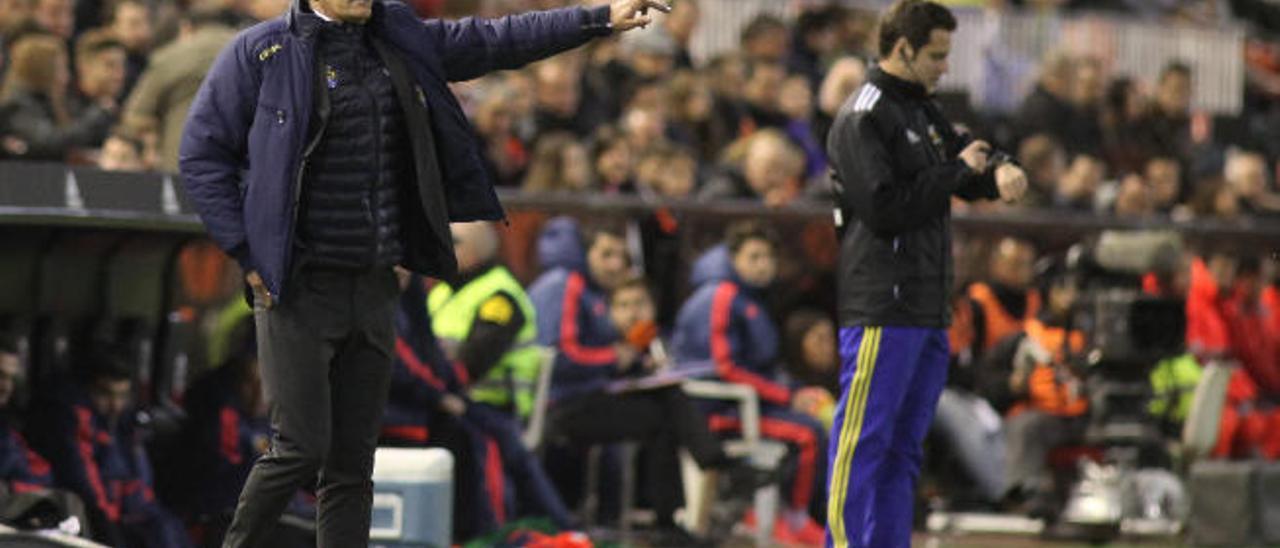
(657, 4)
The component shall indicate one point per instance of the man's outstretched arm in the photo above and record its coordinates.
(473, 47)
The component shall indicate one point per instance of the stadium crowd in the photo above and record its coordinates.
(108, 83)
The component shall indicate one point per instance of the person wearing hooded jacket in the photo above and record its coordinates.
(572, 304)
(725, 321)
(323, 149)
(430, 405)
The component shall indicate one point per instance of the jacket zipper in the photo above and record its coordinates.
(943, 251)
(372, 196)
(306, 155)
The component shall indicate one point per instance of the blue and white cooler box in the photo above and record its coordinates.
(412, 498)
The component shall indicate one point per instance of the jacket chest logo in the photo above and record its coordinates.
(268, 51)
(934, 136)
(912, 137)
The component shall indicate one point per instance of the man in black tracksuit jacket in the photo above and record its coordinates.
(898, 162)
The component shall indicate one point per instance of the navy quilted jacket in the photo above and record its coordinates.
(242, 151)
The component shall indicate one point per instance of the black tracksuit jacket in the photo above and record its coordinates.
(896, 167)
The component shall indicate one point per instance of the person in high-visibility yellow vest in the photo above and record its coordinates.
(485, 323)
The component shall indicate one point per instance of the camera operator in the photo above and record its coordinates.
(1033, 374)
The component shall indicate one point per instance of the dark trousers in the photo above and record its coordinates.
(325, 351)
(663, 420)
(1029, 437)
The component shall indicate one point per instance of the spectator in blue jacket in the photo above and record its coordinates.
(725, 321)
(323, 149)
(572, 303)
(21, 469)
(429, 406)
(575, 313)
(26, 478)
(97, 452)
(227, 429)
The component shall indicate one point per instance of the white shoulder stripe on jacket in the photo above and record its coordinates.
(867, 98)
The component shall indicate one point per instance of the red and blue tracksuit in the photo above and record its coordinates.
(108, 467)
(21, 468)
(573, 315)
(725, 321)
(225, 439)
(421, 377)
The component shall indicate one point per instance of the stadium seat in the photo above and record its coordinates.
(700, 485)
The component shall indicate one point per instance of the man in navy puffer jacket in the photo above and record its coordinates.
(323, 149)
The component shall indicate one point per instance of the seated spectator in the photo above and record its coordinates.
(725, 321)
(1076, 188)
(56, 17)
(1001, 306)
(575, 316)
(764, 166)
(97, 452)
(760, 93)
(558, 95)
(1246, 174)
(692, 121)
(485, 323)
(1215, 199)
(1247, 428)
(651, 54)
(559, 164)
(810, 346)
(21, 469)
(795, 100)
(432, 401)
(1163, 176)
(496, 120)
(667, 173)
(680, 25)
(1165, 128)
(33, 108)
(227, 429)
(765, 39)
(1045, 161)
(1051, 404)
(1123, 109)
(121, 152)
(727, 74)
(131, 22)
(1133, 198)
(1086, 89)
(157, 106)
(99, 60)
(25, 477)
(644, 125)
(613, 159)
(1048, 108)
(989, 313)
(815, 38)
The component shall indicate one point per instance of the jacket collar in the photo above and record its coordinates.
(898, 86)
(304, 22)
